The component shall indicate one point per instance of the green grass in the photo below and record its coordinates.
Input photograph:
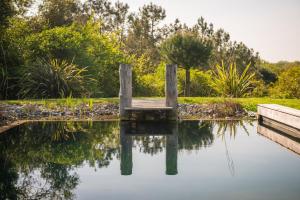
(69, 102)
(247, 103)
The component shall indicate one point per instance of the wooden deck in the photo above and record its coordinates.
(280, 117)
(148, 109)
(148, 104)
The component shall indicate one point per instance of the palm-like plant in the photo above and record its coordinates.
(228, 82)
(52, 79)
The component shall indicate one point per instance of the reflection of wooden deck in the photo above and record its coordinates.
(284, 140)
(148, 104)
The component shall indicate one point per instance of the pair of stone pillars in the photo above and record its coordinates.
(125, 94)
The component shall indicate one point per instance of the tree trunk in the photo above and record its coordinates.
(187, 83)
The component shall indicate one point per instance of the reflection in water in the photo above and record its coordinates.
(126, 151)
(285, 139)
(148, 131)
(231, 127)
(171, 151)
(39, 160)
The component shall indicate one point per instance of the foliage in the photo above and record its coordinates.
(99, 35)
(11, 56)
(59, 12)
(151, 84)
(144, 34)
(288, 84)
(267, 75)
(229, 83)
(247, 103)
(52, 79)
(56, 43)
(200, 83)
(188, 51)
(260, 89)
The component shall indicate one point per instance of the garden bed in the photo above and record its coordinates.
(108, 108)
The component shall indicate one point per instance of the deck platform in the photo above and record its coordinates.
(148, 104)
(280, 117)
(147, 109)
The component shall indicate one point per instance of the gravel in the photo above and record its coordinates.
(9, 112)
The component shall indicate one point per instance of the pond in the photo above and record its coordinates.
(114, 160)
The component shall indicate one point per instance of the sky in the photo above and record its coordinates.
(271, 27)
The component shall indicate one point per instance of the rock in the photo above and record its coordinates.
(251, 114)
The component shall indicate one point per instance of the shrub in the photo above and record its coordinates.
(200, 83)
(57, 43)
(260, 89)
(152, 84)
(288, 84)
(52, 79)
(228, 82)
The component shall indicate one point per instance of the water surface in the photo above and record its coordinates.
(112, 160)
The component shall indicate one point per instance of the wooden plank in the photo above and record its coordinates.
(148, 104)
(145, 108)
(281, 139)
(282, 114)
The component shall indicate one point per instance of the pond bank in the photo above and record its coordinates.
(14, 113)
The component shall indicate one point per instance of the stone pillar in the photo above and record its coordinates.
(171, 151)
(126, 150)
(171, 90)
(125, 93)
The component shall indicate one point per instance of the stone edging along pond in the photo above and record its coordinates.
(12, 114)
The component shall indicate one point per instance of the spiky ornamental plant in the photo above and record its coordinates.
(228, 82)
(52, 79)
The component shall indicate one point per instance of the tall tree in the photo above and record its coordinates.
(188, 51)
(59, 12)
(144, 32)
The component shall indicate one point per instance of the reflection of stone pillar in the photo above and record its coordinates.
(171, 151)
(126, 151)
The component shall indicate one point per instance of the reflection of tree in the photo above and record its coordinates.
(8, 179)
(60, 181)
(53, 149)
(191, 135)
(195, 134)
(149, 144)
(231, 127)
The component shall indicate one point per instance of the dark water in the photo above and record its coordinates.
(109, 160)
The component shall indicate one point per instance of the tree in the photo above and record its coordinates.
(113, 17)
(144, 33)
(59, 12)
(288, 84)
(188, 51)
(224, 49)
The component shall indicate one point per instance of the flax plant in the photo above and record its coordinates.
(229, 83)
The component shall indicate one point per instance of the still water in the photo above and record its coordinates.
(113, 160)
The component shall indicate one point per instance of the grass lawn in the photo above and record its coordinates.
(247, 103)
